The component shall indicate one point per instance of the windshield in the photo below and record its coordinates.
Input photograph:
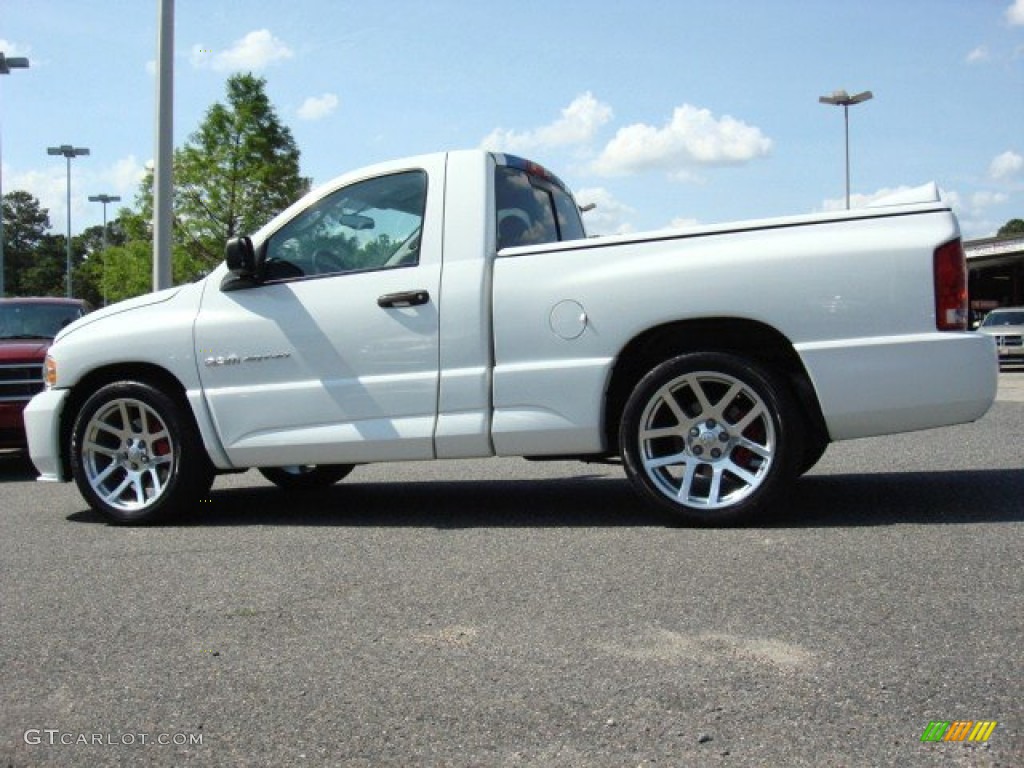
(995, 319)
(31, 320)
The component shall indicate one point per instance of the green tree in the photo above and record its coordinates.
(91, 240)
(25, 230)
(124, 271)
(46, 274)
(125, 268)
(89, 272)
(1012, 228)
(238, 170)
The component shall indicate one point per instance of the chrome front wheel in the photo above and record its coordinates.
(127, 454)
(136, 455)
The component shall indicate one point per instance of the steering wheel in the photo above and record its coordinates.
(407, 253)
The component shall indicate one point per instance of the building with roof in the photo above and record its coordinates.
(995, 273)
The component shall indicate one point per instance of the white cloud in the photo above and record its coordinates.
(975, 214)
(986, 199)
(978, 54)
(862, 200)
(693, 138)
(317, 107)
(11, 49)
(255, 51)
(578, 124)
(609, 217)
(1015, 13)
(1007, 165)
(124, 176)
(49, 186)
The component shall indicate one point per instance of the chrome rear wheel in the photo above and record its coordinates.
(710, 437)
(706, 440)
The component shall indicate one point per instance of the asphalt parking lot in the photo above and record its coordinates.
(504, 613)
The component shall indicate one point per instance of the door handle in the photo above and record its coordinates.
(403, 299)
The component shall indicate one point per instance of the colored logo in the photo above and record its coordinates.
(958, 730)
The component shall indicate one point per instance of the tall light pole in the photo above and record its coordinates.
(6, 65)
(845, 100)
(69, 152)
(104, 199)
(163, 184)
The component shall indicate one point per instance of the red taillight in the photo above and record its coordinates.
(950, 287)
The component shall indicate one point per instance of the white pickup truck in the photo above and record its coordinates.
(450, 306)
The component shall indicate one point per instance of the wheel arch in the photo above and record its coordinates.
(148, 373)
(740, 336)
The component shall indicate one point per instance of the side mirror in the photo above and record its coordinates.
(240, 256)
(242, 268)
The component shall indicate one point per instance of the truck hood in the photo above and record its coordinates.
(23, 349)
(121, 307)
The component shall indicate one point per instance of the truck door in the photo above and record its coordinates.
(334, 357)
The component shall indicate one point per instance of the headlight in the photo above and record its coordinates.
(50, 372)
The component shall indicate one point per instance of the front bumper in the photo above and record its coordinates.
(42, 428)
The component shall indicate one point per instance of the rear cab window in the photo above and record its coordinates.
(532, 205)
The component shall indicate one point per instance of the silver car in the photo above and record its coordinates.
(1007, 326)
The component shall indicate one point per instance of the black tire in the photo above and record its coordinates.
(814, 449)
(136, 454)
(711, 437)
(304, 477)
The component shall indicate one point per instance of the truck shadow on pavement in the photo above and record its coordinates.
(919, 498)
(16, 467)
(891, 498)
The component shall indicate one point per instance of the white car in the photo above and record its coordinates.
(1007, 327)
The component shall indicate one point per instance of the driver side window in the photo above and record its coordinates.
(373, 224)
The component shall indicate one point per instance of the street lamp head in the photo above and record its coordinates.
(836, 98)
(842, 99)
(67, 151)
(15, 62)
(104, 199)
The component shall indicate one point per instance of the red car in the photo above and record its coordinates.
(27, 327)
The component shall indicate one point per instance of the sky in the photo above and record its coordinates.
(662, 112)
